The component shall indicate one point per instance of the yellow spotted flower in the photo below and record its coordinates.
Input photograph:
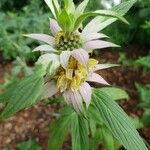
(72, 79)
(65, 52)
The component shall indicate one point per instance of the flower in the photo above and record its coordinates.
(65, 54)
(76, 44)
(61, 41)
(68, 38)
(66, 31)
(72, 81)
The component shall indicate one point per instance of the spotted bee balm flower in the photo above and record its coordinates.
(65, 54)
(72, 79)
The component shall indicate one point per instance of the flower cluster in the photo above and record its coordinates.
(65, 53)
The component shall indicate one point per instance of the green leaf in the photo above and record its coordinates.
(51, 6)
(100, 135)
(39, 70)
(108, 139)
(24, 94)
(79, 133)
(117, 121)
(143, 61)
(56, 100)
(146, 117)
(107, 13)
(144, 93)
(94, 119)
(69, 6)
(115, 93)
(16, 70)
(65, 21)
(5, 97)
(59, 129)
(96, 140)
(100, 23)
(80, 9)
(137, 122)
(93, 114)
(93, 128)
(29, 145)
(56, 8)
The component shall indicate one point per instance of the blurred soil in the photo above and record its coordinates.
(33, 123)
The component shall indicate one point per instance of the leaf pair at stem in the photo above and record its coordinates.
(71, 18)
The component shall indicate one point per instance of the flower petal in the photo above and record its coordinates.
(45, 47)
(75, 99)
(104, 66)
(42, 37)
(81, 55)
(49, 89)
(92, 36)
(67, 98)
(98, 44)
(55, 28)
(94, 77)
(64, 58)
(86, 92)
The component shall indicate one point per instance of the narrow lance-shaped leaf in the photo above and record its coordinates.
(145, 118)
(143, 62)
(59, 129)
(107, 138)
(24, 94)
(101, 22)
(69, 6)
(79, 134)
(65, 21)
(56, 8)
(5, 96)
(80, 9)
(107, 13)
(115, 93)
(30, 145)
(117, 121)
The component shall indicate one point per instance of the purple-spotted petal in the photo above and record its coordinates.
(64, 58)
(98, 44)
(104, 66)
(49, 89)
(55, 28)
(42, 37)
(86, 92)
(45, 47)
(92, 36)
(75, 99)
(94, 77)
(80, 55)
